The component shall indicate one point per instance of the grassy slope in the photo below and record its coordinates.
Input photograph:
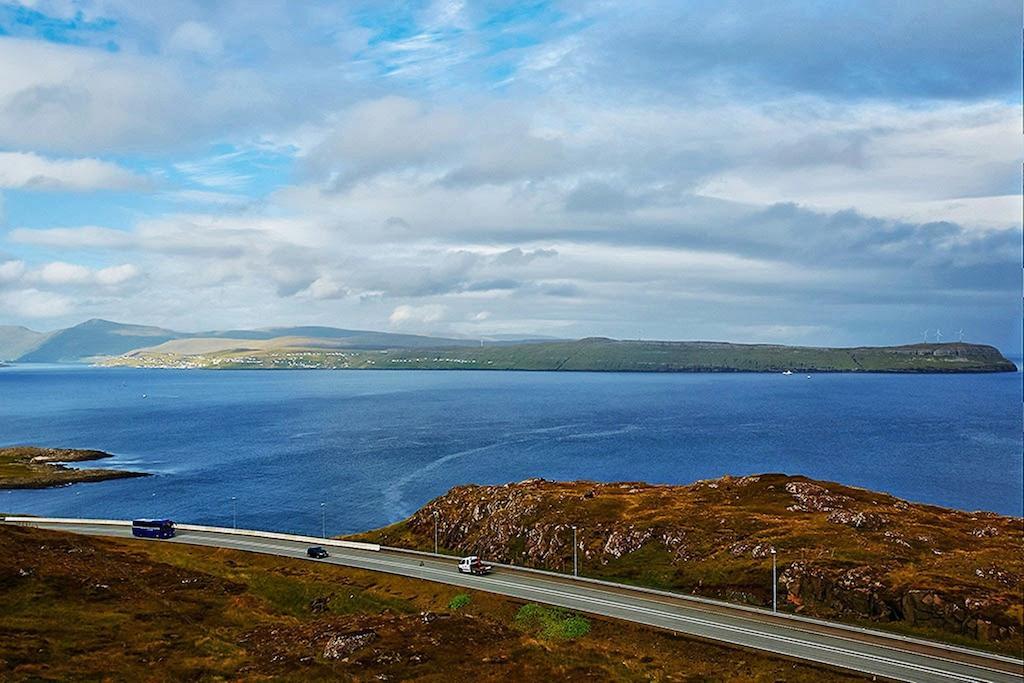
(854, 554)
(31, 467)
(73, 607)
(610, 355)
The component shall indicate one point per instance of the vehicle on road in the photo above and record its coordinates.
(474, 565)
(153, 528)
(317, 552)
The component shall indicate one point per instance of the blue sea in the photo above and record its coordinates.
(375, 445)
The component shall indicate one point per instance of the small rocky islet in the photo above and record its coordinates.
(35, 467)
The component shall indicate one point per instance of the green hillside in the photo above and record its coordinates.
(607, 355)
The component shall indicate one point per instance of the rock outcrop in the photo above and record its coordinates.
(843, 552)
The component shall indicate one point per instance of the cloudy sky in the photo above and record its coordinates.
(801, 172)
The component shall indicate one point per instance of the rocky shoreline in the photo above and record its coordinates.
(34, 467)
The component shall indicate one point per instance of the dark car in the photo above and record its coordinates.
(317, 552)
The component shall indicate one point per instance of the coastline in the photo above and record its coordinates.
(33, 467)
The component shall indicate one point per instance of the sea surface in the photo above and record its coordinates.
(375, 445)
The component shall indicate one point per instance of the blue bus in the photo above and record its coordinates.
(153, 528)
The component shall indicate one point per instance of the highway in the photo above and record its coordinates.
(872, 653)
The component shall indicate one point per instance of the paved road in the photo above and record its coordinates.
(874, 654)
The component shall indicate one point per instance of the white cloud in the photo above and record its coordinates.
(60, 273)
(569, 196)
(11, 271)
(33, 303)
(950, 162)
(77, 99)
(195, 37)
(116, 275)
(87, 237)
(327, 288)
(204, 197)
(29, 171)
(413, 315)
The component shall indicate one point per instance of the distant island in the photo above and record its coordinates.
(32, 467)
(593, 355)
(106, 343)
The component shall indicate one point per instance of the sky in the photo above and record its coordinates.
(824, 173)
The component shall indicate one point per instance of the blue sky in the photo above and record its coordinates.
(804, 172)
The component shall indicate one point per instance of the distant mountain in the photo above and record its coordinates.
(356, 339)
(518, 338)
(95, 338)
(16, 341)
(106, 338)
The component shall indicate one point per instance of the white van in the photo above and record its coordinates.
(473, 565)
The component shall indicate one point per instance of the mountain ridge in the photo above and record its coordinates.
(100, 337)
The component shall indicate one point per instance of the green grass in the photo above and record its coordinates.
(551, 623)
(459, 601)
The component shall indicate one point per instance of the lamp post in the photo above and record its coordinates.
(323, 519)
(234, 512)
(575, 564)
(435, 532)
(775, 585)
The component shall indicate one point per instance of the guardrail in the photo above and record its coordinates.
(64, 520)
(312, 540)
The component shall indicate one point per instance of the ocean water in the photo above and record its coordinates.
(375, 445)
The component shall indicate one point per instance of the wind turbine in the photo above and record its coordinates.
(938, 336)
(961, 334)
(926, 336)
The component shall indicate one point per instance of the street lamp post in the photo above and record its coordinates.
(775, 585)
(575, 563)
(323, 519)
(234, 512)
(435, 532)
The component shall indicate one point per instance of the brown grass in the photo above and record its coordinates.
(844, 553)
(73, 607)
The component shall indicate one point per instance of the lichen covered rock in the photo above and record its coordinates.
(842, 551)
